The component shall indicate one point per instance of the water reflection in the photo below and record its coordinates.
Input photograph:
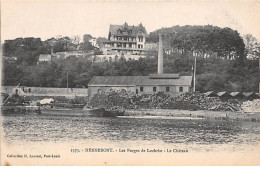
(140, 131)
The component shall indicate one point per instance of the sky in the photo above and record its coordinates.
(50, 18)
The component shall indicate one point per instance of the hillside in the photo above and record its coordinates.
(221, 61)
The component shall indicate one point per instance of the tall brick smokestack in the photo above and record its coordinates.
(160, 56)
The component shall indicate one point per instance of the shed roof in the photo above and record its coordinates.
(223, 94)
(211, 94)
(248, 94)
(236, 94)
(164, 76)
(138, 81)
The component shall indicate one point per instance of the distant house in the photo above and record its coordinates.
(44, 58)
(125, 39)
(93, 42)
(169, 83)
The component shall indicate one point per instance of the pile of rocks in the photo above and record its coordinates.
(251, 106)
(161, 100)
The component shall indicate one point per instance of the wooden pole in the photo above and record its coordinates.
(194, 76)
(11, 93)
(67, 79)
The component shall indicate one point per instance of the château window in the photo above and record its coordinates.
(180, 89)
(154, 89)
(141, 89)
(167, 89)
(140, 39)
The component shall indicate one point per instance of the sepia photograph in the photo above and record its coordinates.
(130, 83)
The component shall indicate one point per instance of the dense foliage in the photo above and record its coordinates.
(221, 63)
(207, 41)
(212, 74)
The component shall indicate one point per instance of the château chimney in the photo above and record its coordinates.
(160, 56)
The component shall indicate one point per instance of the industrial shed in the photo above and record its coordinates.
(170, 83)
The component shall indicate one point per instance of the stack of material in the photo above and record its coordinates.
(160, 100)
(16, 100)
(118, 99)
(99, 101)
(198, 101)
(251, 106)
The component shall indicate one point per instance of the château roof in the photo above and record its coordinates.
(128, 30)
(138, 81)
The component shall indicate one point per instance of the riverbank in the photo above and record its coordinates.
(203, 114)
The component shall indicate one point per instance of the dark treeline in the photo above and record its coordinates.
(212, 73)
(27, 50)
(221, 63)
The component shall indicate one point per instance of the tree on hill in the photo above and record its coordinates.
(86, 38)
(100, 40)
(204, 40)
(252, 47)
(85, 47)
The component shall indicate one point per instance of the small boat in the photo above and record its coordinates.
(92, 112)
(117, 111)
(19, 109)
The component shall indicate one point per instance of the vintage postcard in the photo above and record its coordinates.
(130, 83)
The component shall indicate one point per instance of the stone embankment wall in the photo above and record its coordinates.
(45, 91)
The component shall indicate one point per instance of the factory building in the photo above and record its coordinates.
(174, 84)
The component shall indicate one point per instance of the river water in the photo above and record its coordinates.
(193, 134)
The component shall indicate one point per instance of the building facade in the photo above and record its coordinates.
(125, 40)
(44, 58)
(169, 83)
